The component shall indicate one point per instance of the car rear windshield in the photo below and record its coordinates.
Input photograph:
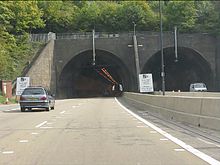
(33, 91)
(200, 85)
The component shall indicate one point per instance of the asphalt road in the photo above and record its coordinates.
(95, 131)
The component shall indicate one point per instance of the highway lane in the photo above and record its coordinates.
(87, 132)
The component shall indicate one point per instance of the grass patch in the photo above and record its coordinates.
(11, 100)
(2, 99)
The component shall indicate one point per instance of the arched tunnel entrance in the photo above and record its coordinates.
(80, 78)
(191, 67)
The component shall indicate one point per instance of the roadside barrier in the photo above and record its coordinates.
(199, 111)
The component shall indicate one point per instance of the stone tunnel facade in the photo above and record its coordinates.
(62, 60)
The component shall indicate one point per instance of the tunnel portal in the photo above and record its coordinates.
(190, 67)
(80, 78)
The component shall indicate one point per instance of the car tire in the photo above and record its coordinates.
(22, 109)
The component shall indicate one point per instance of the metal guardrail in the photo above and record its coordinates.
(42, 37)
(88, 35)
(85, 35)
(45, 37)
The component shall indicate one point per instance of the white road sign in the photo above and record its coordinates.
(22, 83)
(146, 83)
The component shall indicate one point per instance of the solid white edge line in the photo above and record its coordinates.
(189, 148)
(41, 124)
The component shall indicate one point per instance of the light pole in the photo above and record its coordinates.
(93, 47)
(161, 48)
(175, 43)
(137, 64)
(134, 28)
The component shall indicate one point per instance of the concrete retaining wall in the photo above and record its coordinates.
(40, 72)
(199, 111)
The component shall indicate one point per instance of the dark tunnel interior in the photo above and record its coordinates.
(190, 68)
(80, 78)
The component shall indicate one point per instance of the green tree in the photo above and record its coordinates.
(16, 18)
(24, 16)
(7, 44)
(207, 17)
(181, 14)
(58, 15)
(138, 12)
(5, 15)
(108, 17)
(79, 4)
(88, 17)
(217, 10)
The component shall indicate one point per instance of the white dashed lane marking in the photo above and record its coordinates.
(62, 112)
(41, 124)
(74, 106)
(179, 150)
(23, 141)
(164, 139)
(8, 152)
(142, 126)
(34, 133)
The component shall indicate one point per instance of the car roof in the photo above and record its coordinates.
(35, 87)
(197, 83)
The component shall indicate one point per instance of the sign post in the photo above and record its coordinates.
(22, 83)
(146, 83)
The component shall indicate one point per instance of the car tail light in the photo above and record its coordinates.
(22, 98)
(43, 98)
